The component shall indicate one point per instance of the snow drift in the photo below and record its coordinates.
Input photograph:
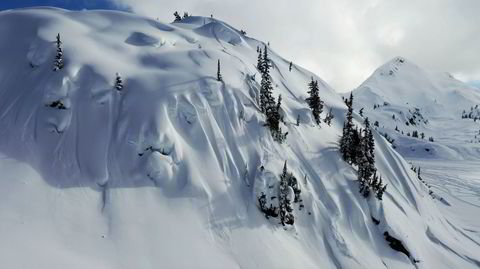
(166, 172)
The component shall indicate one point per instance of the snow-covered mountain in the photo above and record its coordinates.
(406, 100)
(166, 172)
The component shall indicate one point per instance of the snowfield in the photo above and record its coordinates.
(166, 173)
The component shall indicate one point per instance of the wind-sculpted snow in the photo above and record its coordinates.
(167, 171)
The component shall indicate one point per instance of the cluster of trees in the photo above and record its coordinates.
(473, 114)
(288, 192)
(268, 106)
(357, 148)
(415, 118)
(375, 106)
(178, 17)
(415, 134)
(417, 171)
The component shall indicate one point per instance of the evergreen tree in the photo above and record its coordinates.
(267, 101)
(285, 208)
(58, 63)
(349, 137)
(271, 211)
(314, 101)
(186, 15)
(298, 120)
(219, 75)
(290, 66)
(329, 117)
(118, 82)
(177, 16)
(260, 61)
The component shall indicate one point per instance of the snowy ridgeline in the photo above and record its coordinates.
(423, 114)
(131, 143)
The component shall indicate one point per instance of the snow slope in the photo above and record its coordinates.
(412, 99)
(166, 173)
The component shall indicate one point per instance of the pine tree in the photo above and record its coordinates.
(290, 66)
(118, 82)
(329, 117)
(219, 75)
(186, 15)
(58, 63)
(266, 99)
(367, 173)
(349, 137)
(285, 209)
(177, 16)
(314, 101)
(260, 61)
(298, 120)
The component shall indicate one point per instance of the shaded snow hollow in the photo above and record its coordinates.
(166, 173)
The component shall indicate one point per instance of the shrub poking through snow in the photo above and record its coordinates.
(58, 63)
(57, 104)
(271, 211)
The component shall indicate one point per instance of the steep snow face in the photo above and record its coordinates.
(404, 99)
(166, 173)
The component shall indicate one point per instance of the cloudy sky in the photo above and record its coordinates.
(343, 41)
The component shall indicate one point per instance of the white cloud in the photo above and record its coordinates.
(343, 41)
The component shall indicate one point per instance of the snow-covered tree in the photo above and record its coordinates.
(219, 75)
(58, 63)
(266, 99)
(260, 60)
(284, 202)
(347, 141)
(328, 119)
(368, 180)
(118, 82)
(314, 101)
(290, 66)
(268, 106)
(269, 211)
(177, 16)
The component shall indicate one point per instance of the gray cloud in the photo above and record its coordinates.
(343, 41)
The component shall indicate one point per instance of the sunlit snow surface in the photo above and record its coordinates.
(166, 173)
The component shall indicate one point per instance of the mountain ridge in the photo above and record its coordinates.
(167, 171)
